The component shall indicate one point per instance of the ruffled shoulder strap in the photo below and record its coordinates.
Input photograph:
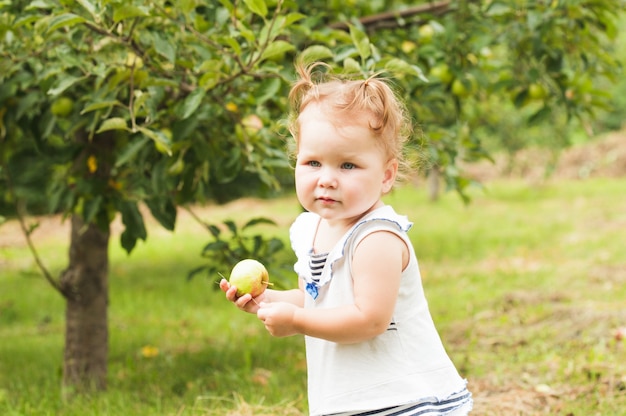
(381, 219)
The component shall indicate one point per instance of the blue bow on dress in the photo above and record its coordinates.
(312, 290)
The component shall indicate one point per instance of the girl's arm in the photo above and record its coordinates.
(377, 266)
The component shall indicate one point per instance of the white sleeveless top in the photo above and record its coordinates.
(405, 364)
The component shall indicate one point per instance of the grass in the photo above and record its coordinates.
(526, 284)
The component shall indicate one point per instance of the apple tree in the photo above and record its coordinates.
(109, 106)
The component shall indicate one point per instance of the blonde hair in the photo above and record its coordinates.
(370, 99)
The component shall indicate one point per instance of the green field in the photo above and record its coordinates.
(527, 285)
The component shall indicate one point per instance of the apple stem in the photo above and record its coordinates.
(268, 283)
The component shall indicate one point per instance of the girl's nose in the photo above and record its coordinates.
(327, 178)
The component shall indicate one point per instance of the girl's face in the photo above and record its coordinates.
(341, 172)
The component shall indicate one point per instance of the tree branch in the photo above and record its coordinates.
(390, 19)
(19, 209)
(33, 250)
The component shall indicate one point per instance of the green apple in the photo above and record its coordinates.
(249, 276)
(537, 91)
(463, 88)
(442, 73)
(408, 46)
(458, 88)
(426, 33)
(62, 106)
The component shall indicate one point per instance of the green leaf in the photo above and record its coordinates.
(228, 5)
(193, 272)
(209, 80)
(164, 211)
(130, 151)
(186, 6)
(40, 4)
(64, 84)
(293, 17)
(268, 89)
(91, 207)
(540, 115)
(87, 5)
(192, 102)
(214, 230)
(315, 53)
(135, 227)
(249, 35)
(25, 20)
(64, 20)
(229, 166)
(399, 66)
(257, 244)
(259, 220)
(277, 48)
(257, 6)
(128, 11)
(115, 123)
(59, 194)
(164, 48)
(361, 41)
(497, 8)
(100, 105)
(232, 42)
(161, 141)
(140, 100)
(351, 66)
(215, 246)
(231, 226)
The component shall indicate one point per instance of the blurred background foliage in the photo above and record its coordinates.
(193, 95)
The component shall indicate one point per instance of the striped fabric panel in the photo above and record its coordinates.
(316, 264)
(422, 408)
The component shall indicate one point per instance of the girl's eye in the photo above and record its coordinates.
(314, 163)
(348, 166)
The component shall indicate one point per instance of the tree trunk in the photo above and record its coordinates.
(85, 285)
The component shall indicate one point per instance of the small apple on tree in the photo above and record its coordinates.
(426, 33)
(62, 106)
(537, 91)
(249, 276)
(463, 87)
(442, 73)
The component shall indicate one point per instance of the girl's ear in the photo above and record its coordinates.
(389, 178)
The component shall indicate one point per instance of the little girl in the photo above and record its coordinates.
(371, 345)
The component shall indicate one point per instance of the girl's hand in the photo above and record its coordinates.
(246, 303)
(278, 318)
